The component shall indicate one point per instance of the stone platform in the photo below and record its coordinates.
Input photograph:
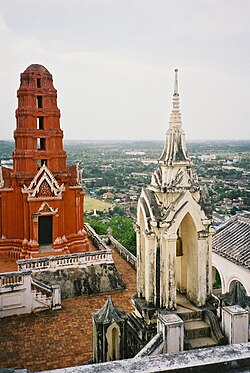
(57, 339)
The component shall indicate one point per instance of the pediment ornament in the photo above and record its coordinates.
(44, 185)
(45, 208)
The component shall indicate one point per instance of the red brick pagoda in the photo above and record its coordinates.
(41, 199)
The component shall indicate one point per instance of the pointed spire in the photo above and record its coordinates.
(176, 82)
(174, 172)
(175, 117)
(175, 147)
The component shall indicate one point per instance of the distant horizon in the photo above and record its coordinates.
(143, 140)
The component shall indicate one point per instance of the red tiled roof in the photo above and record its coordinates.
(232, 241)
(57, 339)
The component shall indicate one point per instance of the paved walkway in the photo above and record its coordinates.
(57, 339)
(8, 265)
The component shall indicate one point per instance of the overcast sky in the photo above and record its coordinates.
(112, 63)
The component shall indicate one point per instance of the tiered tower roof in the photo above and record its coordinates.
(38, 136)
(175, 172)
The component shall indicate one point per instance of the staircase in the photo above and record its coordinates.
(42, 295)
(197, 330)
(201, 326)
(197, 333)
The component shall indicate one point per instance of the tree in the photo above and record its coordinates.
(122, 230)
(98, 225)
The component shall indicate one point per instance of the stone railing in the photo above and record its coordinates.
(94, 237)
(20, 294)
(154, 346)
(48, 296)
(10, 281)
(79, 260)
(99, 242)
(127, 255)
(226, 359)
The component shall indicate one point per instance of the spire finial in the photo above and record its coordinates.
(176, 82)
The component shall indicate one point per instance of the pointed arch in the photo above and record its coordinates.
(186, 205)
(187, 260)
(113, 339)
(217, 276)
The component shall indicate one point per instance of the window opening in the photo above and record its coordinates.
(41, 162)
(40, 123)
(38, 83)
(39, 102)
(41, 143)
(179, 249)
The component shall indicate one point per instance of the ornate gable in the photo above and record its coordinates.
(44, 185)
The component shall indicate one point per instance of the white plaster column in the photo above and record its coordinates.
(139, 260)
(56, 297)
(164, 273)
(141, 263)
(235, 324)
(211, 231)
(150, 266)
(27, 295)
(202, 261)
(169, 272)
(172, 328)
(172, 284)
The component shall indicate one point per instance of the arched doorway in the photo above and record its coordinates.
(216, 281)
(45, 237)
(113, 336)
(232, 285)
(187, 258)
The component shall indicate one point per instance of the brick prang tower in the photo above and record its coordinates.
(41, 199)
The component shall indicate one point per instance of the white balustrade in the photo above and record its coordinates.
(67, 261)
(10, 280)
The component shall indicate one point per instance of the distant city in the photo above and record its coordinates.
(115, 172)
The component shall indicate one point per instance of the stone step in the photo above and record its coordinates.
(202, 342)
(196, 329)
(189, 315)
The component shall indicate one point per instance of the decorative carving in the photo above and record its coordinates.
(44, 190)
(44, 185)
(149, 234)
(34, 218)
(45, 208)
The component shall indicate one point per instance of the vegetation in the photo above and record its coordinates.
(123, 168)
(122, 229)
